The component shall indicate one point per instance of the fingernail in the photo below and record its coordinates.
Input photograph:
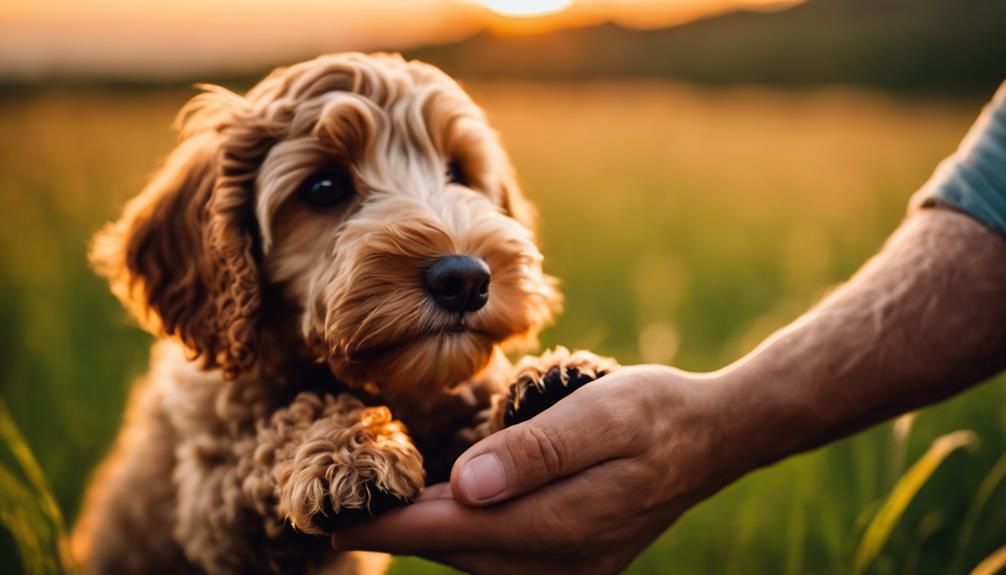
(483, 478)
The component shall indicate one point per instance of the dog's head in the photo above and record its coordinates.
(369, 192)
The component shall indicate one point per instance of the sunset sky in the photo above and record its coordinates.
(179, 37)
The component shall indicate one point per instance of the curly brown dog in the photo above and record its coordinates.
(334, 263)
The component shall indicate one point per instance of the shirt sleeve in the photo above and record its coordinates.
(973, 179)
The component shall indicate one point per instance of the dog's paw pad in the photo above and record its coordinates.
(543, 381)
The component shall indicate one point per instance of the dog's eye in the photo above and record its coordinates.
(455, 174)
(327, 188)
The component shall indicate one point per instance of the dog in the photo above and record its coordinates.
(334, 264)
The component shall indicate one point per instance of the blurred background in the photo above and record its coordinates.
(705, 170)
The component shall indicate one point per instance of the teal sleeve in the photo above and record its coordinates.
(973, 179)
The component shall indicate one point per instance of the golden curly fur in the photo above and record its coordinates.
(291, 334)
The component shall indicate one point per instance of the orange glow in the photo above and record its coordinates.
(186, 37)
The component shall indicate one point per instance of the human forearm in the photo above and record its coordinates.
(922, 320)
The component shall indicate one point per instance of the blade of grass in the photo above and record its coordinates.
(900, 431)
(985, 491)
(28, 509)
(29, 530)
(992, 564)
(904, 491)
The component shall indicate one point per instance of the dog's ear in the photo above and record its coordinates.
(183, 256)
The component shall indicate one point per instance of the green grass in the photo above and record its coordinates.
(685, 224)
(28, 512)
(879, 530)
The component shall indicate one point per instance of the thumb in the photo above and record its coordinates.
(578, 432)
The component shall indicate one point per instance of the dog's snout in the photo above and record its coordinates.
(458, 283)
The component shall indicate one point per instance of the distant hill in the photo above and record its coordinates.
(931, 45)
(948, 46)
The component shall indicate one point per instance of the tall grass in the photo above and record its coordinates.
(879, 530)
(27, 509)
(685, 224)
(985, 491)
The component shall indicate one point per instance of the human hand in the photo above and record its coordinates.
(581, 488)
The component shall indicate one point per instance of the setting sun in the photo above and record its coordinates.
(526, 8)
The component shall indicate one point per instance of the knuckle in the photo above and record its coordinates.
(614, 413)
(607, 409)
(538, 453)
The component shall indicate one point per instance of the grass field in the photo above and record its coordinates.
(685, 224)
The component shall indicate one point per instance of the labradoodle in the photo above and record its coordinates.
(334, 263)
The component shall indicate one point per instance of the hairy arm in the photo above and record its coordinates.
(922, 320)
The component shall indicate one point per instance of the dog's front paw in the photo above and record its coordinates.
(375, 501)
(354, 468)
(544, 380)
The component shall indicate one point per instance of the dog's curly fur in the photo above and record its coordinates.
(303, 378)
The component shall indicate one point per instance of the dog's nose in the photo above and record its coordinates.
(458, 283)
